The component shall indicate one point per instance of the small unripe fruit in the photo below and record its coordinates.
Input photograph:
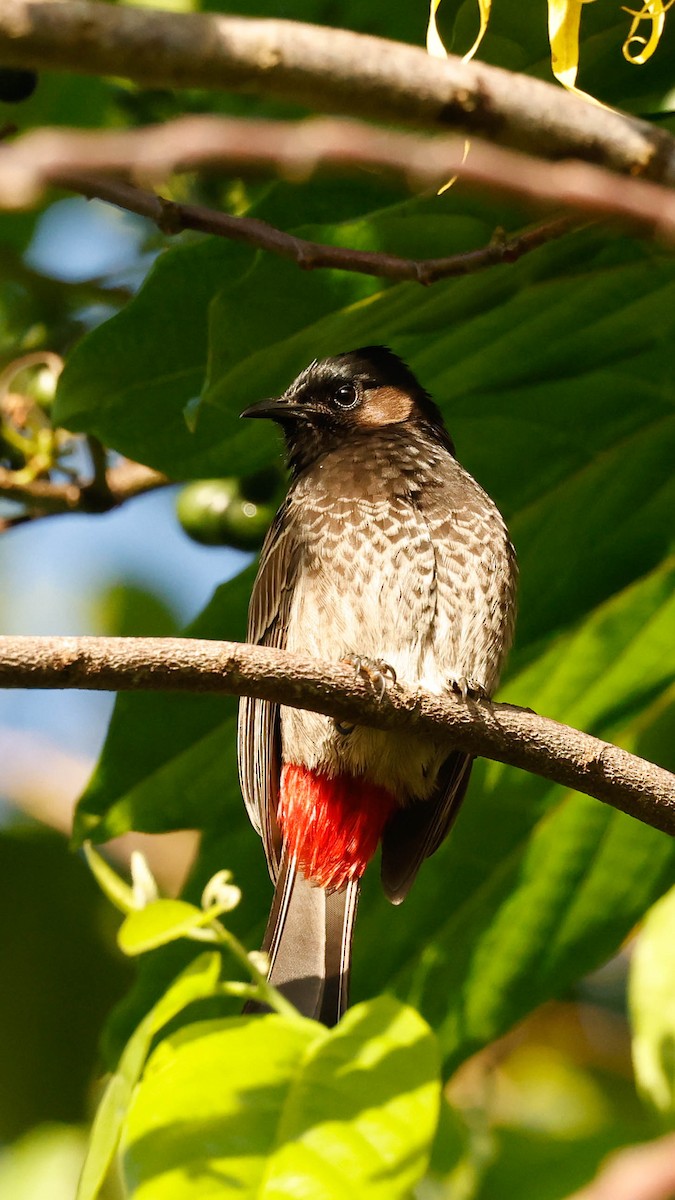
(214, 512)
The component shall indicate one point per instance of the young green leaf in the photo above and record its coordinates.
(158, 923)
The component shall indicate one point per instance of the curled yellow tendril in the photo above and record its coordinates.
(654, 11)
(435, 45)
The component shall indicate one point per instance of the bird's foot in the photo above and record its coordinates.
(467, 688)
(375, 671)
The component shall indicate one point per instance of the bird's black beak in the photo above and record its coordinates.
(265, 408)
(282, 408)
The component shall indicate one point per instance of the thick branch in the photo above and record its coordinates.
(328, 70)
(498, 731)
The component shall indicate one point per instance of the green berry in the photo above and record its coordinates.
(214, 512)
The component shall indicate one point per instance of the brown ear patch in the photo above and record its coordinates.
(384, 406)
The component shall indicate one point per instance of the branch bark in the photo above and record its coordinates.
(328, 70)
(499, 731)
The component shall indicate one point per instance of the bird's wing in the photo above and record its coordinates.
(417, 830)
(259, 749)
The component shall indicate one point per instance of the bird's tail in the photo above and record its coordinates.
(309, 943)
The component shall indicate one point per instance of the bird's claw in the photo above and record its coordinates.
(467, 688)
(374, 670)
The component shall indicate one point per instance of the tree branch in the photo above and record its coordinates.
(123, 482)
(297, 150)
(498, 731)
(172, 218)
(328, 70)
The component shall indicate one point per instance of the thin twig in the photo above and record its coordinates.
(98, 489)
(498, 731)
(172, 218)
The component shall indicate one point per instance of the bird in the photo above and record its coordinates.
(388, 555)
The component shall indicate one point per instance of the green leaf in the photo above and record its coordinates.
(270, 1108)
(158, 923)
(128, 381)
(652, 1006)
(555, 376)
(199, 980)
(45, 1162)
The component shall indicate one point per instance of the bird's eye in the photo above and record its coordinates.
(346, 396)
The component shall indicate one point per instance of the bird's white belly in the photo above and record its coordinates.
(377, 611)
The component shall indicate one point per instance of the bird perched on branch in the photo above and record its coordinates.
(387, 553)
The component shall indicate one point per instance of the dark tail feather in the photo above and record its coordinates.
(340, 917)
(309, 942)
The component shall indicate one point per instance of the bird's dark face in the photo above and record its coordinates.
(358, 392)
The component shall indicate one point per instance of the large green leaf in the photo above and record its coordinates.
(652, 1003)
(269, 1107)
(556, 379)
(129, 381)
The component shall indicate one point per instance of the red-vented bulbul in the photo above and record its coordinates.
(385, 551)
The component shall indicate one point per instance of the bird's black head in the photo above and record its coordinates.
(361, 391)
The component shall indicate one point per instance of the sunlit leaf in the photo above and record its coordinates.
(564, 18)
(652, 1005)
(118, 892)
(44, 1164)
(158, 923)
(267, 1107)
(435, 46)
